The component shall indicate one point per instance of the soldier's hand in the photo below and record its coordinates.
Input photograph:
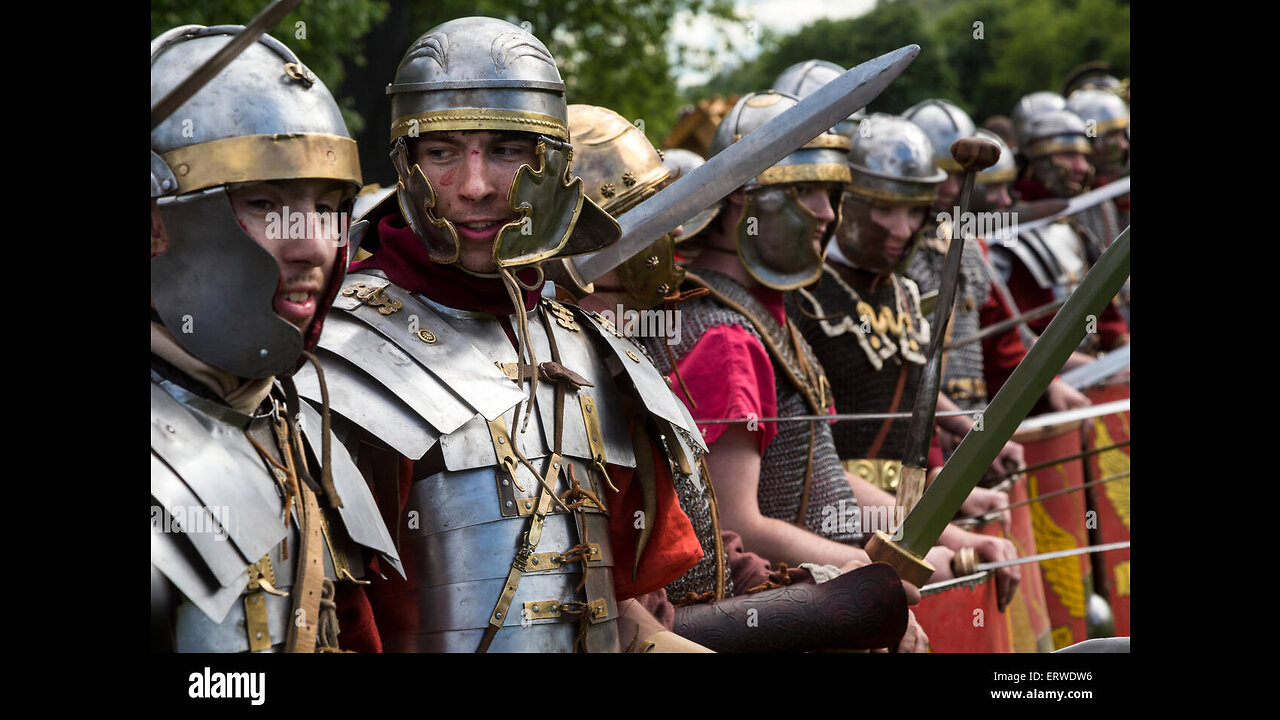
(914, 640)
(939, 556)
(994, 549)
(1062, 396)
(1010, 460)
(983, 501)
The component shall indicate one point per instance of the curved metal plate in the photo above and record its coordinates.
(650, 385)
(221, 468)
(359, 511)
(221, 557)
(362, 400)
(451, 500)
(385, 362)
(467, 605)
(557, 638)
(485, 552)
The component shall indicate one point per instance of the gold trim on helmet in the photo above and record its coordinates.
(1115, 123)
(255, 158)
(1051, 145)
(949, 164)
(924, 197)
(1001, 176)
(780, 174)
(479, 119)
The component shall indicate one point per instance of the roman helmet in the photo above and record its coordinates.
(1106, 120)
(892, 161)
(775, 232)
(1046, 135)
(264, 117)
(620, 168)
(1029, 106)
(805, 78)
(479, 73)
(944, 122)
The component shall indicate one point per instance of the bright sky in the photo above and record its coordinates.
(730, 43)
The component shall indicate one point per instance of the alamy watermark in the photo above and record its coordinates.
(848, 517)
(999, 225)
(191, 519)
(645, 323)
(286, 225)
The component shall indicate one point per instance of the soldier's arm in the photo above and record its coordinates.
(734, 462)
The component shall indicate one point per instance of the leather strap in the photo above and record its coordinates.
(893, 408)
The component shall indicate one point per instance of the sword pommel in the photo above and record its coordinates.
(974, 153)
(911, 567)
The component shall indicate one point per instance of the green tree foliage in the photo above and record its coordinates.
(1021, 46)
(330, 33)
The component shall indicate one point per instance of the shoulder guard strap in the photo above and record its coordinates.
(359, 512)
(651, 387)
(733, 296)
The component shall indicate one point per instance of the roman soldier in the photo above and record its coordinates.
(261, 525)
(863, 317)
(966, 368)
(1046, 263)
(518, 445)
(620, 168)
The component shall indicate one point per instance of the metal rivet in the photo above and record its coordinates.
(183, 169)
(555, 607)
(502, 441)
(528, 505)
(535, 608)
(170, 428)
(508, 503)
(259, 636)
(498, 615)
(596, 438)
(555, 465)
(262, 352)
(166, 184)
(505, 482)
(333, 157)
(535, 562)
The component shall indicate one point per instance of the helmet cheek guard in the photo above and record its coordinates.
(775, 236)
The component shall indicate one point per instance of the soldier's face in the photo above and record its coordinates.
(471, 174)
(948, 192)
(298, 222)
(877, 236)
(991, 197)
(817, 198)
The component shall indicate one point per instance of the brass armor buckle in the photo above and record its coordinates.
(882, 473)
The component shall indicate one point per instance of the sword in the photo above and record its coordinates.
(1006, 324)
(1095, 372)
(975, 520)
(981, 570)
(1097, 196)
(743, 160)
(1084, 413)
(974, 155)
(265, 20)
(943, 499)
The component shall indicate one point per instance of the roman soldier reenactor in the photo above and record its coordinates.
(261, 524)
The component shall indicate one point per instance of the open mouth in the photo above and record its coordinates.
(297, 306)
(481, 231)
